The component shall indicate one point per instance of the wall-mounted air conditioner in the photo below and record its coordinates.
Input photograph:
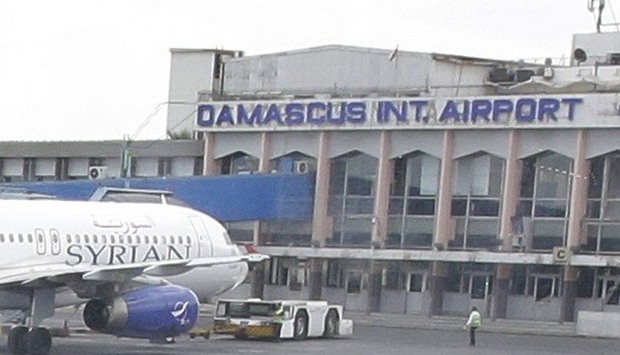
(97, 172)
(300, 167)
(613, 58)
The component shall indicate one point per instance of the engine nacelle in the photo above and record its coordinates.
(151, 312)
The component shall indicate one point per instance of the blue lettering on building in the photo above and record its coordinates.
(254, 116)
(418, 112)
(316, 113)
(481, 110)
(273, 115)
(502, 108)
(294, 114)
(356, 112)
(336, 113)
(450, 112)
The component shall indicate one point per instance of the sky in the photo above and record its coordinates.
(99, 70)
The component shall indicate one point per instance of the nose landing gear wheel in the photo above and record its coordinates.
(18, 340)
(39, 341)
(33, 341)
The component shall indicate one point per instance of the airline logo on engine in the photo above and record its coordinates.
(180, 312)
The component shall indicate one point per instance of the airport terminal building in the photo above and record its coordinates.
(439, 181)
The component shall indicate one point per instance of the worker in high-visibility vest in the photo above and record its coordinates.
(473, 322)
(278, 319)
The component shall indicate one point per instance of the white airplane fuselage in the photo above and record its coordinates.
(41, 239)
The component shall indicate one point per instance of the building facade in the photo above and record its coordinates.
(441, 182)
(53, 161)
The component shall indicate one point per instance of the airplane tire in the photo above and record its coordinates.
(18, 340)
(301, 325)
(332, 323)
(39, 341)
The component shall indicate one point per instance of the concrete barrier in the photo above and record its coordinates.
(598, 324)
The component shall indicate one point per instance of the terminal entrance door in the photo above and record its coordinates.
(480, 288)
(609, 292)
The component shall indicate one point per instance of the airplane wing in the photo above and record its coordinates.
(62, 274)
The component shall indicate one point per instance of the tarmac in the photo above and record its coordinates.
(388, 320)
(420, 321)
(506, 326)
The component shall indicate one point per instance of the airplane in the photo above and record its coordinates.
(140, 270)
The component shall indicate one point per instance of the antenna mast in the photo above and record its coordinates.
(596, 7)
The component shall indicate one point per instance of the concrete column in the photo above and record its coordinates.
(501, 283)
(322, 225)
(576, 230)
(263, 168)
(510, 201)
(579, 195)
(444, 226)
(315, 279)
(374, 286)
(264, 162)
(209, 166)
(382, 198)
(569, 294)
(437, 287)
(258, 281)
(258, 274)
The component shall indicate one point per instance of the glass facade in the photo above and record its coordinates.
(545, 196)
(476, 201)
(290, 232)
(351, 199)
(238, 164)
(603, 214)
(413, 196)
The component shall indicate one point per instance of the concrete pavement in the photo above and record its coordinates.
(507, 326)
(388, 320)
(417, 321)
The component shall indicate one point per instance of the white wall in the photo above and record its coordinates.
(526, 307)
(182, 166)
(77, 167)
(190, 72)
(598, 324)
(12, 167)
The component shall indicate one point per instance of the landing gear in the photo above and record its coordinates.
(33, 341)
(39, 341)
(18, 340)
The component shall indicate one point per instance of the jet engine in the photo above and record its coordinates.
(151, 312)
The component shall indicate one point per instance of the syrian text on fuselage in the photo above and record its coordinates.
(124, 254)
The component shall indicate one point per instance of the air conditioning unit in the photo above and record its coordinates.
(613, 58)
(97, 172)
(501, 75)
(522, 75)
(301, 167)
(518, 241)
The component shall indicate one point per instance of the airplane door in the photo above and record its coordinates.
(205, 248)
(55, 241)
(39, 236)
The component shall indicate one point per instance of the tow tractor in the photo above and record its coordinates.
(255, 318)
